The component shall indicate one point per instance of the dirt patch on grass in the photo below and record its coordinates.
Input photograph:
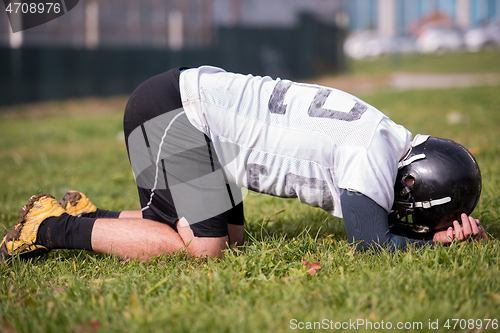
(404, 81)
(355, 84)
(407, 81)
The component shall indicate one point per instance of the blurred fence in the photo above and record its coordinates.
(38, 74)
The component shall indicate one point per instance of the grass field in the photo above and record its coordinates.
(264, 287)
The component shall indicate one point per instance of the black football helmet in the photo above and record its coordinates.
(446, 183)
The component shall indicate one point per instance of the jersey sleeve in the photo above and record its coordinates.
(373, 171)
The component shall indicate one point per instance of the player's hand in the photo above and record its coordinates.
(470, 229)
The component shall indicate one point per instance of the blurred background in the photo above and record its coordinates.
(108, 47)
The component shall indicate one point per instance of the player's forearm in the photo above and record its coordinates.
(367, 225)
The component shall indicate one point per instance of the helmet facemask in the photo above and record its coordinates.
(405, 206)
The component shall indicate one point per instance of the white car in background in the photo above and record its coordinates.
(434, 40)
(370, 44)
(483, 37)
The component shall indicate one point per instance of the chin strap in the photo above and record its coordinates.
(422, 204)
(431, 203)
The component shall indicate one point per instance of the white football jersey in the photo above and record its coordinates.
(293, 139)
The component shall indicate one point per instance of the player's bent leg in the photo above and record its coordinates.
(154, 115)
(45, 225)
(134, 238)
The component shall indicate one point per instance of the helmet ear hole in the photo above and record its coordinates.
(409, 180)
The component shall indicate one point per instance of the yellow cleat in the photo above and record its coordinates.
(76, 203)
(21, 239)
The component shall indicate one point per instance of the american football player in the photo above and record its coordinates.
(196, 136)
